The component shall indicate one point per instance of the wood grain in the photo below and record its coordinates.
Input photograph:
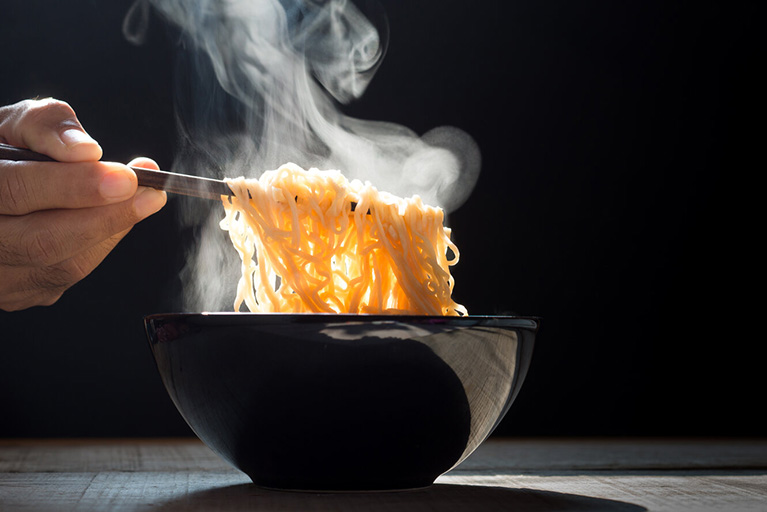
(504, 474)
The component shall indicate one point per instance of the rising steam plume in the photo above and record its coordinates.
(260, 83)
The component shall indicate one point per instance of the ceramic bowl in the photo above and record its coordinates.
(322, 402)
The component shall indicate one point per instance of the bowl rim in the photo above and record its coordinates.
(236, 318)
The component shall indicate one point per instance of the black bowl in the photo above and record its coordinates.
(341, 402)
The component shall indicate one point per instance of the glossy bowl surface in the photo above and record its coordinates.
(341, 402)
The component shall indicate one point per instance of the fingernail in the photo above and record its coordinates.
(148, 201)
(117, 185)
(73, 137)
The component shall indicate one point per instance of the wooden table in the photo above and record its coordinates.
(503, 474)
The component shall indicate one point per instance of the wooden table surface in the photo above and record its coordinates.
(503, 474)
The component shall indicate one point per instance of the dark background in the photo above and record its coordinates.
(618, 200)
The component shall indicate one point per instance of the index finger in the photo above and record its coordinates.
(48, 126)
(26, 187)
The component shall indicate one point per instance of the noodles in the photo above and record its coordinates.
(311, 241)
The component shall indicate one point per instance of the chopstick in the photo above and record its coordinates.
(175, 183)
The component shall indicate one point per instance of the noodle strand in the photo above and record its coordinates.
(304, 250)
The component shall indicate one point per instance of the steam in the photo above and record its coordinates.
(259, 84)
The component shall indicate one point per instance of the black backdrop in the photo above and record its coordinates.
(617, 200)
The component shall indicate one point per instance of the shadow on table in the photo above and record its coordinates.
(442, 497)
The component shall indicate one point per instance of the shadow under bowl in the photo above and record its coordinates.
(322, 402)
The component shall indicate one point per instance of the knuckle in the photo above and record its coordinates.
(50, 280)
(50, 299)
(72, 271)
(9, 253)
(42, 112)
(10, 113)
(11, 305)
(27, 289)
(13, 246)
(6, 114)
(41, 247)
(46, 107)
(56, 279)
(15, 193)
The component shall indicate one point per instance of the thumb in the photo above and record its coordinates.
(50, 127)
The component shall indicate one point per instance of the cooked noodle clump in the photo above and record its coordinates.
(314, 242)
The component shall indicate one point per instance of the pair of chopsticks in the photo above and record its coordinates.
(175, 183)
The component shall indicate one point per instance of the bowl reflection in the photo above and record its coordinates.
(341, 402)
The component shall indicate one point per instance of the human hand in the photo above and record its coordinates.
(59, 220)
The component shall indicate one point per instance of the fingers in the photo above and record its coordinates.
(47, 237)
(45, 251)
(31, 186)
(146, 163)
(27, 187)
(43, 286)
(50, 127)
(148, 200)
(59, 220)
